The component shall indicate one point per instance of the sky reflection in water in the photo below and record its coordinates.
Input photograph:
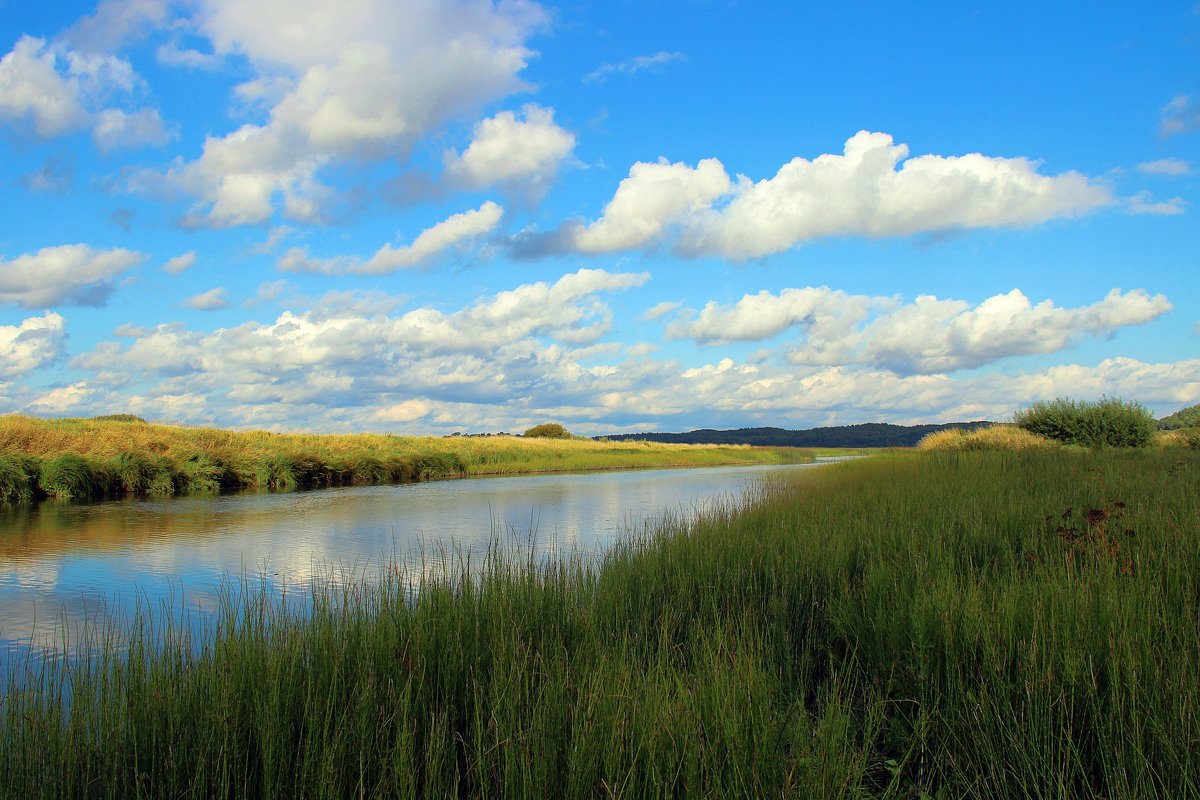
(62, 564)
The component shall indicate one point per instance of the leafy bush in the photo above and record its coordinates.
(1107, 422)
(547, 430)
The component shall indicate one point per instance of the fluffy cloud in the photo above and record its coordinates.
(212, 300)
(871, 189)
(1144, 203)
(1181, 115)
(522, 152)
(115, 129)
(1165, 166)
(365, 83)
(924, 337)
(115, 23)
(180, 264)
(34, 343)
(32, 89)
(56, 90)
(455, 231)
(653, 197)
(73, 274)
(867, 191)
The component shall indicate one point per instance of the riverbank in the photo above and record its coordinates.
(980, 624)
(92, 458)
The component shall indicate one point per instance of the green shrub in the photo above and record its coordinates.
(547, 430)
(72, 476)
(1107, 422)
(18, 478)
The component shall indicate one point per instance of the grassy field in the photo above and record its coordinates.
(912, 625)
(88, 459)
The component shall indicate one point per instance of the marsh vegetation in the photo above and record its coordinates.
(945, 624)
(93, 458)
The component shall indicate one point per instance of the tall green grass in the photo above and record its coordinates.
(949, 624)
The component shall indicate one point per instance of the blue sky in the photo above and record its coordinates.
(426, 217)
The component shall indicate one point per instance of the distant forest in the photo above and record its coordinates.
(869, 434)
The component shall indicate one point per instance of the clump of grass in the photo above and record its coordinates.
(69, 476)
(995, 437)
(18, 478)
(1108, 422)
(200, 473)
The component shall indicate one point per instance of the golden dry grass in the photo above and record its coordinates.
(996, 437)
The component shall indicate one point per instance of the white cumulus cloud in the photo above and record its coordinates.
(521, 152)
(653, 197)
(455, 231)
(73, 274)
(1165, 166)
(212, 300)
(32, 89)
(34, 343)
(181, 263)
(874, 189)
(871, 189)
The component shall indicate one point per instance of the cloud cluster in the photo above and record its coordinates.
(871, 189)
(506, 349)
(365, 83)
(73, 274)
(54, 90)
(927, 336)
(356, 361)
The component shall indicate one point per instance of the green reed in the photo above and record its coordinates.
(951, 624)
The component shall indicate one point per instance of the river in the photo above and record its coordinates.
(63, 565)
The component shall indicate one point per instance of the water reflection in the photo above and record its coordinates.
(62, 565)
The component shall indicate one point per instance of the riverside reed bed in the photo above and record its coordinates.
(94, 458)
(946, 624)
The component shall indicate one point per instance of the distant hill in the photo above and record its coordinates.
(1184, 418)
(869, 434)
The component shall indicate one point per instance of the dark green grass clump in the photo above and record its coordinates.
(1108, 422)
(981, 624)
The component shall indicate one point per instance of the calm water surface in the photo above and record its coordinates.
(62, 564)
